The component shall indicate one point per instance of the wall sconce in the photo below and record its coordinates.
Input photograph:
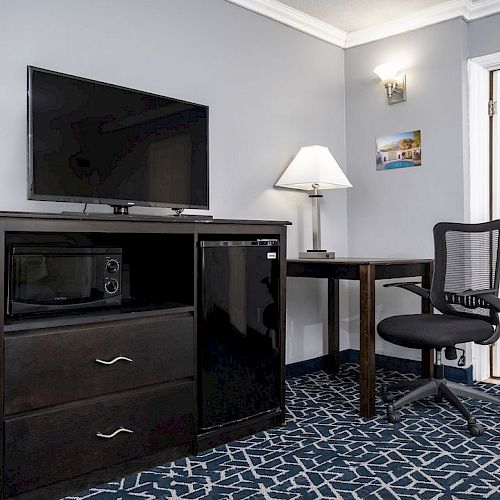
(393, 80)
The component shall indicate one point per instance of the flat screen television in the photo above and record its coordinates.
(94, 142)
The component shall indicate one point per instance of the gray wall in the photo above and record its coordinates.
(484, 36)
(391, 213)
(271, 90)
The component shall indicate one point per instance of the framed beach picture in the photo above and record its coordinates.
(399, 151)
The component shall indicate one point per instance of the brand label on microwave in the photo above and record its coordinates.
(271, 255)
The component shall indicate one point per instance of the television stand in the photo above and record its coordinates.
(121, 209)
(196, 218)
(180, 215)
(72, 379)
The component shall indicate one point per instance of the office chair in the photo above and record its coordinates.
(465, 290)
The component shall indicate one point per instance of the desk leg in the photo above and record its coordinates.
(367, 340)
(333, 326)
(427, 354)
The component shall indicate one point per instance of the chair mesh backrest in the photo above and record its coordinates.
(466, 259)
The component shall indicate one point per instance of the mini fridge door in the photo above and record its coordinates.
(238, 333)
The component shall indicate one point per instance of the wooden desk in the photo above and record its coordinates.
(366, 271)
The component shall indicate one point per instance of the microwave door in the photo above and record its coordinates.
(69, 278)
(74, 275)
(30, 274)
(41, 279)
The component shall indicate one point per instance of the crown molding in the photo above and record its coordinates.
(466, 9)
(482, 8)
(424, 17)
(295, 19)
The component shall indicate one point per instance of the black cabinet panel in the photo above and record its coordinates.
(57, 366)
(199, 341)
(63, 443)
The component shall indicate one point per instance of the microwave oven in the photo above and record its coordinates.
(50, 279)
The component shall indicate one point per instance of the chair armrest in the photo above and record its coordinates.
(491, 299)
(489, 295)
(494, 302)
(472, 293)
(411, 287)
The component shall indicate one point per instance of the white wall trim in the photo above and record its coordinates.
(488, 62)
(479, 170)
(480, 362)
(479, 68)
(482, 8)
(296, 19)
(424, 17)
(467, 9)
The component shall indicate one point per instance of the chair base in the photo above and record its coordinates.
(439, 388)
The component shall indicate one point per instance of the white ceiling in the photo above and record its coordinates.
(352, 15)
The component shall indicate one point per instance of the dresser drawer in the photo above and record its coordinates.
(56, 366)
(54, 445)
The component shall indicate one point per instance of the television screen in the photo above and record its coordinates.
(99, 143)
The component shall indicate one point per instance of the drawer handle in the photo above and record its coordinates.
(113, 361)
(110, 436)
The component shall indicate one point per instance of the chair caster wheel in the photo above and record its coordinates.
(476, 429)
(393, 416)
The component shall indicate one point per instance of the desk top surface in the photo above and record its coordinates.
(350, 268)
(360, 261)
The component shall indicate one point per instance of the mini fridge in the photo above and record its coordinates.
(238, 331)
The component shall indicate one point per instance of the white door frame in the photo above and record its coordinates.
(479, 84)
(495, 351)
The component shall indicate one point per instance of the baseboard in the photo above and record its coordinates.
(307, 366)
(452, 373)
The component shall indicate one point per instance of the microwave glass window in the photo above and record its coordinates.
(40, 278)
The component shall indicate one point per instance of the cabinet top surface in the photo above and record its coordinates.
(189, 219)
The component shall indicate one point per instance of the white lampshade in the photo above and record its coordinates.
(388, 72)
(314, 166)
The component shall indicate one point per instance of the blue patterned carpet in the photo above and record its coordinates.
(327, 451)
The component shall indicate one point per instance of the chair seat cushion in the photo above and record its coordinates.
(433, 330)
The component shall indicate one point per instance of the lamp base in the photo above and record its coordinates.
(317, 254)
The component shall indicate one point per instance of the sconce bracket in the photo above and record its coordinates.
(398, 92)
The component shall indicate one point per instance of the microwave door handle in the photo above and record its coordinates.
(72, 306)
(38, 306)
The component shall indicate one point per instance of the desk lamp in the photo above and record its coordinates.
(314, 168)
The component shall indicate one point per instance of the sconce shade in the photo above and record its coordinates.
(393, 81)
(387, 72)
(313, 167)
